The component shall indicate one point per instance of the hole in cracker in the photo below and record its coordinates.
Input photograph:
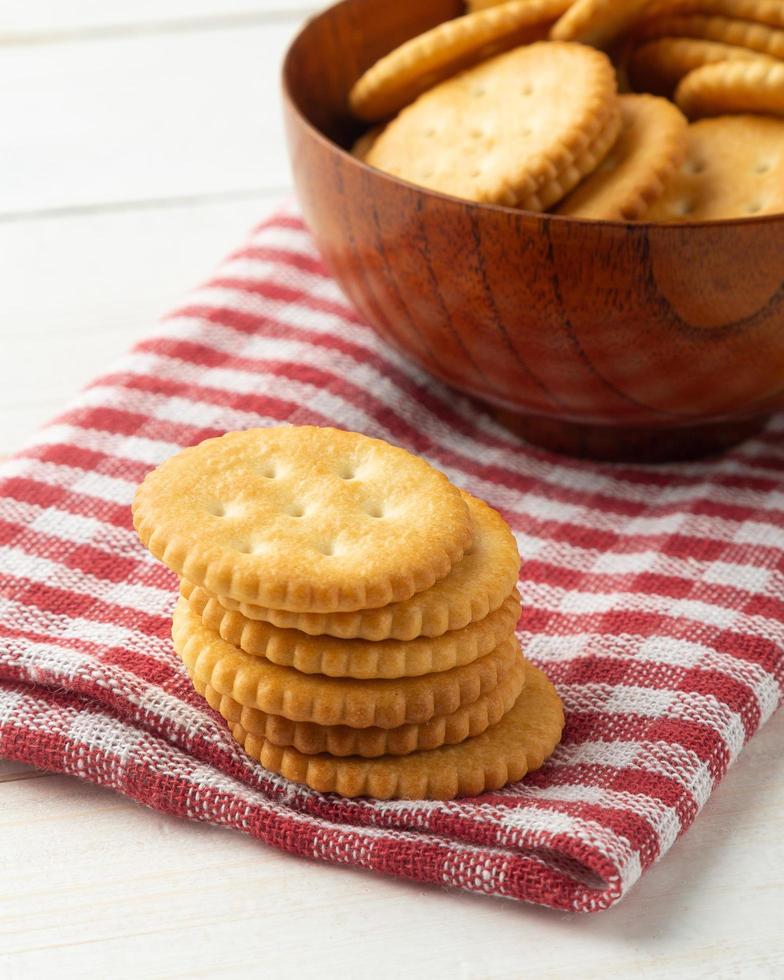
(430, 132)
(763, 167)
(347, 472)
(243, 547)
(527, 131)
(684, 208)
(326, 548)
(694, 167)
(528, 89)
(754, 207)
(295, 510)
(216, 509)
(268, 470)
(478, 91)
(476, 172)
(375, 510)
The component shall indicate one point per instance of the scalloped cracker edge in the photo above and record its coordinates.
(521, 742)
(398, 78)
(476, 586)
(340, 740)
(499, 132)
(651, 147)
(303, 518)
(258, 683)
(362, 659)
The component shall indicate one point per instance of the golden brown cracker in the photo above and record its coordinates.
(499, 132)
(659, 65)
(340, 740)
(734, 168)
(259, 683)
(362, 659)
(524, 738)
(769, 12)
(755, 86)
(598, 22)
(476, 586)
(405, 73)
(726, 30)
(303, 518)
(586, 163)
(651, 147)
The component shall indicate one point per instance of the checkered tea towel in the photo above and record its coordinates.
(653, 598)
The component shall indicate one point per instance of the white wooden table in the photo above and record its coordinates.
(138, 140)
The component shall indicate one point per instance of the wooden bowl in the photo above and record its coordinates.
(602, 339)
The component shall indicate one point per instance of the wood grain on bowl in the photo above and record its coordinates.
(595, 338)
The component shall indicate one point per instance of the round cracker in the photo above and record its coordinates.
(733, 169)
(584, 164)
(755, 86)
(259, 683)
(362, 659)
(651, 147)
(726, 30)
(340, 740)
(524, 738)
(598, 22)
(419, 64)
(303, 518)
(769, 12)
(476, 586)
(659, 65)
(498, 132)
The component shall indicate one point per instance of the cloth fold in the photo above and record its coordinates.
(653, 597)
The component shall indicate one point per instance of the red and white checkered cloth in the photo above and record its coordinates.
(653, 597)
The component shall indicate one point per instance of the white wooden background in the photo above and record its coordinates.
(139, 139)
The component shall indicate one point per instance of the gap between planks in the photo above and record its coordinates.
(143, 204)
(22, 22)
(18, 777)
(112, 31)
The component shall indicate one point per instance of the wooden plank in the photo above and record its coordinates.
(47, 21)
(142, 118)
(97, 886)
(78, 291)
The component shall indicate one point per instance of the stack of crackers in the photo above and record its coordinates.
(649, 110)
(350, 613)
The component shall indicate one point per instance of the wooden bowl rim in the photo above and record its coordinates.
(664, 227)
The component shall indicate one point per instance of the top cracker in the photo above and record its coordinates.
(598, 22)
(416, 66)
(305, 519)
